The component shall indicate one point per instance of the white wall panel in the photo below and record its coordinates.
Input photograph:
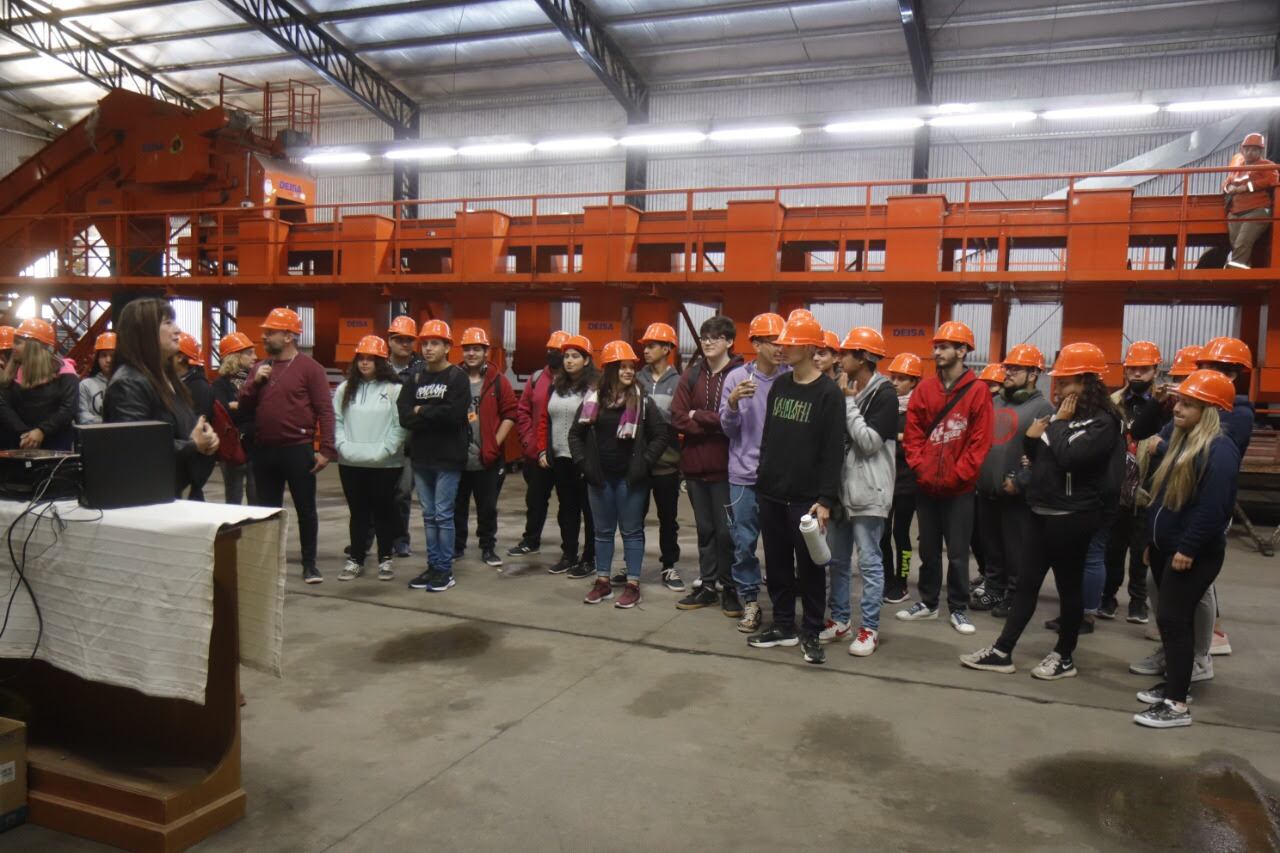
(14, 149)
(977, 316)
(840, 317)
(1172, 327)
(1035, 323)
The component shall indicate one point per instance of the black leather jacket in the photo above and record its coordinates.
(130, 397)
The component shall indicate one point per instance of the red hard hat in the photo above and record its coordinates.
(659, 333)
(1209, 386)
(403, 325)
(866, 339)
(189, 346)
(105, 342)
(1142, 354)
(283, 320)
(373, 345)
(617, 351)
(1184, 363)
(766, 326)
(1075, 359)
(578, 342)
(6, 337)
(993, 372)
(908, 364)
(1025, 355)
(1254, 139)
(955, 332)
(234, 342)
(1227, 351)
(800, 331)
(557, 339)
(474, 336)
(37, 330)
(435, 329)
(830, 341)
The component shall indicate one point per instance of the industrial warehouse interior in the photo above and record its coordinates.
(639, 425)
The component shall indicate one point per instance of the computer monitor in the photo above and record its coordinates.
(127, 464)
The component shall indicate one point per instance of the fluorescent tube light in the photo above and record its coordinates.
(1224, 105)
(494, 149)
(334, 158)
(877, 125)
(743, 134)
(420, 153)
(676, 137)
(978, 119)
(1107, 111)
(581, 143)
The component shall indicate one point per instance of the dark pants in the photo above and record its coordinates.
(1128, 536)
(1004, 523)
(1180, 593)
(237, 481)
(539, 483)
(273, 468)
(949, 520)
(710, 500)
(789, 569)
(665, 489)
(371, 500)
(1058, 542)
(573, 512)
(895, 542)
(485, 484)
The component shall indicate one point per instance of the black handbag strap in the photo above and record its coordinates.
(948, 407)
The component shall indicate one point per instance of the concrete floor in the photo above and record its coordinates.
(507, 715)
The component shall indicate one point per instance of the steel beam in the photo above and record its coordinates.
(602, 55)
(917, 36)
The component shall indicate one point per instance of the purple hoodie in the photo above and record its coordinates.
(745, 426)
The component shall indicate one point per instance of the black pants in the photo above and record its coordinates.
(896, 541)
(1128, 536)
(1058, 542)
(710, 502)
(539, 483)
(949, 520)
(665, 491)
(273, 468)
(790, 569)
(1004, 523)
(1180, 592)
(485, 484)
(574, 511)
(371, 500)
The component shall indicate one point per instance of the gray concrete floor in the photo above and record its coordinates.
(507, 715)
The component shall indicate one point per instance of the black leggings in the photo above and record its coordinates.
(1180, 592)
(897, 538)
(574, 512)
(1057, 542)
(371, 500)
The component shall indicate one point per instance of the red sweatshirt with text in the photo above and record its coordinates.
(947, 460)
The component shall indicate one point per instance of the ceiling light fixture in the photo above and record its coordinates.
(979, 119)
(746, 134)
(1108, 111)
(1223, 105)
(420, 153)
(878, 125)
(581, 143)
(676, 137)
(494, 149)
(334, 158)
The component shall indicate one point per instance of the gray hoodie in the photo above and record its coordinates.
(663, 392)
(867, 476)
(1009, 424)
(745, 427)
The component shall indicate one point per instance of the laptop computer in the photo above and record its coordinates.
(127, 464)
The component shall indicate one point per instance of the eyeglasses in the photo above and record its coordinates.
(712, 340)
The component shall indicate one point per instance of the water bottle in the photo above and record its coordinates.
(815, 540)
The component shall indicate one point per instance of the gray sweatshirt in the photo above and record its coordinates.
(662, 392)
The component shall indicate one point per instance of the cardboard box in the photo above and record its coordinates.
(13, 773)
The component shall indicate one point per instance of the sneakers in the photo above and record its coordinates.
(1053, 667)
(560, 566)
(865, 643)
(440, 580)
(385, 572)
(773, 637)
(600, 591)
(835, 631)
(402, 550)
(989, 659)
(750, 620)
(961, 622)
(1108, 608)
(918, 612)
(985, 600)
(1202, 669)
(813, 650)
(1152, 664)
(619, 578)
(420, 582)
(490, 558)
(1138, 613)
(1086, 624)
(701, 597)
(671, 579)
(585, 569)
(459, 553)
(523, 550)
(630, 596)
(1001, 609)
(1152, 695)
(310, 574)
(729, 604)
(350, 571)
(1163, 716)
(896, 595)
(1221, 643)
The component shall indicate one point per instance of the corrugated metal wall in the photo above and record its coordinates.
(698, 313)
(1172, 327)
(840, 317)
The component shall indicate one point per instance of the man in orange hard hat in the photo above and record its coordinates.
(658, 378)
(402, 340)
(1248, 198)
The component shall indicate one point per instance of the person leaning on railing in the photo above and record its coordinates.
(1248, 198)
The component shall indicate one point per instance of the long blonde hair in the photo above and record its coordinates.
(1180, 468)
(38, 364)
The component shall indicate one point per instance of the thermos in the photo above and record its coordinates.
(815, 540)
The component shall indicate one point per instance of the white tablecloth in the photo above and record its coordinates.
(127, 594)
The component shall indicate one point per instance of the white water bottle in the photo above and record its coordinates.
(815, 540)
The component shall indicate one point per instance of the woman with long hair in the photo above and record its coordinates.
(1194, 493)
(615, 441)
(94, 386)
(145, 386)
(39, 393)
(1077, 460)
(370, 444)
(238, 355)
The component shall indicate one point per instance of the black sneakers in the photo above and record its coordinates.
(1001, 609)
(730, 605)
(773, 636)
(1108, 608)
(490, 558)
(585, 569)
(1162, 715)
(812, 648)
(989, 660)
(985, 600)
(310, 574)
(420, 582)
(703, 596)
(561, 566)
(1138, 613)
(522, 550)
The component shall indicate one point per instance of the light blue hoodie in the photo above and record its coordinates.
(368, 432)
(746, 426)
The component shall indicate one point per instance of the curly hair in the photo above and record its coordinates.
(1096, 399)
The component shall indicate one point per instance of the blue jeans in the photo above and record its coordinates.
(437, 492)
(744, 518)
(1095, 570)
(863, 530)
(618, 505)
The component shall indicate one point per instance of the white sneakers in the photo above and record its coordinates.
(961, 623)
(865, 643)
(834, 631)
(350, 571)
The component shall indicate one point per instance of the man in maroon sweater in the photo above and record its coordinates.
(288, 397)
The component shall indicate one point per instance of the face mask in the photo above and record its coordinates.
(555, 360)
(1139, 386)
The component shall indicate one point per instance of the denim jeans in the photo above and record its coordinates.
(744, 516)
(863, 530)
(437, 493)
(618, 505)
(1095, 570)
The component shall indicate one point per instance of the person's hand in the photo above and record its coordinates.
(235, 404)
(1009, 487)
(1181, 562)
(1037, 427)
(821, 513)
(263, 374)
(1162, 391)
(842, 382)
(321, 462)
(1146, 556)
(205, 439)
(543, 461)
(744, 389)
(31, 439)
(1067, 410)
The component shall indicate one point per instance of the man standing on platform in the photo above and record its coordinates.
(659, 379)
(1248, 197)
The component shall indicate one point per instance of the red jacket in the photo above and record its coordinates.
(532, 411)
(695, 414)
(497, 404)
(947, 461)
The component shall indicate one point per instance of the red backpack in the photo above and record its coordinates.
(230, 450)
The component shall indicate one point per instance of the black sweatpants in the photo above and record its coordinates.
(276, 467)
(896, 541)
(1180, 592)
(539, 483)
(1004, 523)
(1128, 537)
(665, 492)
(789, 568)
(574, 512)
(710, 501)
(1060, 543)
(950, 520)
(485, 485)
(371, 500)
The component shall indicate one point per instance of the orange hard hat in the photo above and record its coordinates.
(578, 342)
(1254, 139)
(800, 312)
(234, 342)
(830, 341)
(373, 345)
(993, 372)
(474, 336)
(1142, 354)
(189, 346)
(37, 330)
(1209, 386)
(1075, 359)
(801, 331)
(105, 342)
(659, 333)
(403, 325)
(1025, 355)
(557, 339)
(6, 337)
(908, 364)
(435, 329)
(284, 320)
(866, 339)
(1184, 363)
(955, 332)
(1227, 351)
(765, 326)
(617, 351)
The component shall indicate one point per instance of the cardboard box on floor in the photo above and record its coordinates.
(13, 773)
